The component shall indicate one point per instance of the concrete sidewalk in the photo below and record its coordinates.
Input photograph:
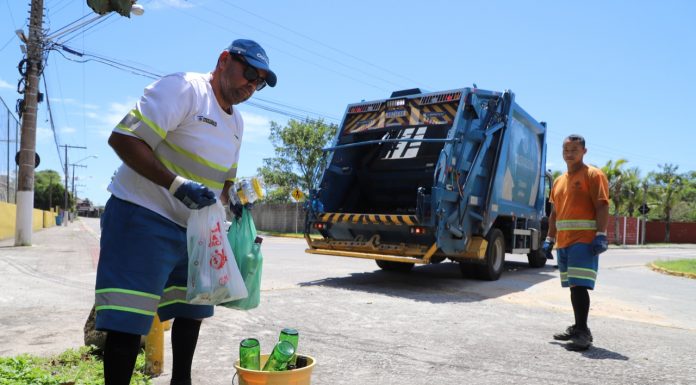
(47, 290)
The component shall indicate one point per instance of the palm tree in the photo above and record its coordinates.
(630, 190)
(668, 185)
(615, 176)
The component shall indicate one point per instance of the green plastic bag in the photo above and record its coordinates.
(246, 247)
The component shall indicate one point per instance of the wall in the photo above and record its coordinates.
(679, 232)
(8, 218)
(283, 218)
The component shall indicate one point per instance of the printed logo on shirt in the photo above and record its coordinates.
(577, 185)
(203, 119)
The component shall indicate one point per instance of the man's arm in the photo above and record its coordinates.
(552, 224)
(139, 156)
(601, 215)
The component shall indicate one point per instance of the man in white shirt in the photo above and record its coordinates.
(180, 148)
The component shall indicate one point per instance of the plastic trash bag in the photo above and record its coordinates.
(246, 246)
(213, 275)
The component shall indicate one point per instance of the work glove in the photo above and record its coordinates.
(599, 244)
(193, 194)
(236, 209)
(547, 246)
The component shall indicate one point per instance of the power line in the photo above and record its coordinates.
(303, 48)
(326, 45)
(50, 117)
(209, 23)
(279, 108)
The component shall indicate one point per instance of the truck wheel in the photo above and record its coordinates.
(394, 266)
(537, 258)
(495, 258)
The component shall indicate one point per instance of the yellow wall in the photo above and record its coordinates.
(8, 217)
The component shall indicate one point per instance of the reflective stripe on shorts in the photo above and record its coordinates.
(126, 300)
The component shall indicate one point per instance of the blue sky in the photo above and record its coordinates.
(621, 73)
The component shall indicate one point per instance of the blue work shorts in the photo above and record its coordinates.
(143, 268)
(578, 265)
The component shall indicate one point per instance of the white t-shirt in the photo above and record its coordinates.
(180, 119)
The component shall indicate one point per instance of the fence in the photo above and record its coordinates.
(289, 218)
(629, 230)
(9, 145)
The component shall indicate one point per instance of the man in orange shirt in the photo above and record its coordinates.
(577, 226)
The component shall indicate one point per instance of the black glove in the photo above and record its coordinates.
(236, 210)
(193, 194)
(599, 244)
(547, 247)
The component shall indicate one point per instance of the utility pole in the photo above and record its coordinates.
(25, 193)
(73, 176)
(66, 209)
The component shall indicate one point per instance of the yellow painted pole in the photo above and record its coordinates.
(154, 348)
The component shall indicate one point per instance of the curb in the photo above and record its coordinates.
(671, 272)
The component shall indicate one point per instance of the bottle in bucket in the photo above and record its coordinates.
(292, 336)
(249, 354)
(278, 360)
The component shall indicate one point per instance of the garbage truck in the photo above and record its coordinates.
(422, 177)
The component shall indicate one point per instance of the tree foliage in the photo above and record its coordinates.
(49, 190)
(299, 160)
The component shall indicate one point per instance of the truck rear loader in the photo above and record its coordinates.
(423, 177)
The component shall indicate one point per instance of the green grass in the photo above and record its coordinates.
(74, 366)
(678, 265)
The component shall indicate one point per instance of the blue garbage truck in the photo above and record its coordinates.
(422, 177)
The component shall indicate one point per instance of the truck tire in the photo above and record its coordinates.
(537, 258)
(394, 266)
(494, 262)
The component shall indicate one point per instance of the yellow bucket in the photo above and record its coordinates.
(301, 376)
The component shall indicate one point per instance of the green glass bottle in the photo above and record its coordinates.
(250, 354)
(292, 336)
(278, 360)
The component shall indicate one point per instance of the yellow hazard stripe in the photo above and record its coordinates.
(380, 219)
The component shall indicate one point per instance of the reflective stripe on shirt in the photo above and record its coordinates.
(576, 224)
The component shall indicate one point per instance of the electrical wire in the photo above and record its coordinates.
(304, 48)
(53, 127)
(264, 104)
(412, 81)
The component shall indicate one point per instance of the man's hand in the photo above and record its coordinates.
(547, 246)
(194, 195)
(236, 209)
(600, 244)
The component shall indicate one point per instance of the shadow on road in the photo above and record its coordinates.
(440, 283)
(596, 353)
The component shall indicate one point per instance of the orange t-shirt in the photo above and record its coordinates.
(574, 196)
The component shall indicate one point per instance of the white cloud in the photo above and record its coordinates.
(161, 4)
(73, 102)
(256, 127)
(43, 133)
(107, 118)
(5, 85)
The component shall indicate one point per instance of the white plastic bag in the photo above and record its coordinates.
(213, 275)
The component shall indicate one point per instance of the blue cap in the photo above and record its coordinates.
(255, 56)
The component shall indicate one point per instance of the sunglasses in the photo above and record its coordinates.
(250, 73)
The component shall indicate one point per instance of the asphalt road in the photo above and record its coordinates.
(430, 326)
